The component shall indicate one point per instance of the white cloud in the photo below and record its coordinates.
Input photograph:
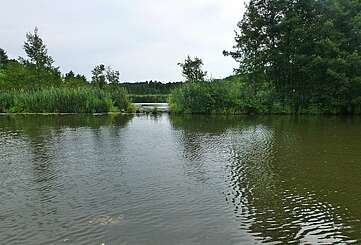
(143, 39)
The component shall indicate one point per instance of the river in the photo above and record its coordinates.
(161, 179)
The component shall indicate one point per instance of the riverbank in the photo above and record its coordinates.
(138, 108)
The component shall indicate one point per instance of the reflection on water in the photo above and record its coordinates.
(119, 179)
(279, 172)
(41, 159)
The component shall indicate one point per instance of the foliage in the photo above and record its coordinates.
(3, 58)
(233, 96)
(36, 51)
(113, 77)
(119, 97)
(307, 51)
(15, 75)
(192, 69)
(72, 80)
(34, 72)
(98, 75)
(102, 75)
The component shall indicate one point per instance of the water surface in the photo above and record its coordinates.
(179, 180)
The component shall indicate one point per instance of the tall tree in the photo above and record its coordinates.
(69, 75)
(257, 35)
(36, 51)
(99, 75)
(3, 57)
(72, 80)
(112, 76)
(290, 43)
(192, 69)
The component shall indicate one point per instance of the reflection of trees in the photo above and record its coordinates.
(253, 180)
(35, 125)
(44, 130)
(274, 194)
(197, 131)
(278, 187)
(207, 124)
(197, 135)
(44, 173)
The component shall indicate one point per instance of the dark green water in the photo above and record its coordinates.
(179, 180)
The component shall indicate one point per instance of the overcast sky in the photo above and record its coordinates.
(143, 39)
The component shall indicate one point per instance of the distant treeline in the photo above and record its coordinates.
(150, 87)
(149, 98)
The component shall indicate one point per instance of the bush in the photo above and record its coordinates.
(233, 96)
(120, 99)
(218, 96)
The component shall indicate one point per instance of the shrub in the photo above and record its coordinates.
(223, 97)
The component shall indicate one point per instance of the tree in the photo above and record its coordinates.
(3, 57)
(254, 39)
(69, 75)
(112, 76)
(72, 80)
(102, 75)
(36, 51)
(81, 78)
(99, 75)
(192, 69)
(295, 46)
(18, 76)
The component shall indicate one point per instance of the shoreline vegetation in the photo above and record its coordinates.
(65, 100)
(224, 97)
(295, 57)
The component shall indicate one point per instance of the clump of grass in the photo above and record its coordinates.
(6, 101)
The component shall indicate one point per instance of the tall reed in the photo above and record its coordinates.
(63, 100)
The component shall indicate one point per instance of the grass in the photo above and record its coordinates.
(64, 100)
